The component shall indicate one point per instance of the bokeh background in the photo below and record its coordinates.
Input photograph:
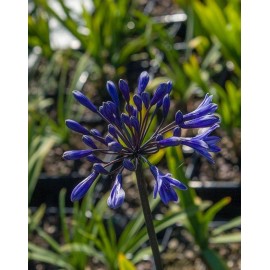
(82, 44)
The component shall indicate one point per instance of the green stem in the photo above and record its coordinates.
(148, 216)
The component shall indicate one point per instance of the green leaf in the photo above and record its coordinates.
(35, 162)
(82, 248)
(64, 227)
(49, 240)
(213, 260)
(213, 210)
(236, 222)
(226, 239)
(35, 219)
(43, 255)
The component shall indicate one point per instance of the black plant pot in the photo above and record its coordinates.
(48, 188)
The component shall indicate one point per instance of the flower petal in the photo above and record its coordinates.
(166, 105)
(146, 99)
(138, 102)
(115, 146)
(97, 167)
(84, 100)
(117, 194)
(159, 93)
(88, 141)
(128, 164)
(75, 126)
(123, 86)
(113, 92)
(204, 121)
(175, 183)
(76, 154)
(167, 194)
(80, 190)
(92, 158)
(172, 141)
(143, 81)
(178, 118)
(156, 174)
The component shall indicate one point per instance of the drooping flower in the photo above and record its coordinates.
(127, 131)
(164, 185)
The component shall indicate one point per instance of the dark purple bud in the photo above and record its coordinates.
(88, 141)
(159, 137)
(80, 190)
(146, 99)
(166, 105)
(99, 168)
(172, 141)
(93, 159)
(177, 132)
(102, 111)
(135, 113)
(75, 126)
(169, 87)
(111, 107)
(178, 118)
(135, 123)
(143, 81)
(84, 100)
(159, 93)
(159, 104)
(76, 154)
(109, 139)
(125, 118)
(108, 108)
(112, 130)
(138, 102)
(123, 86)
(128, 165)
(95, 132)
(97, 135)
(115, 146)
(113, 92)
(129, 109)
(205, 121)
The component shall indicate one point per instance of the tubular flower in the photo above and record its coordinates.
(126, 143)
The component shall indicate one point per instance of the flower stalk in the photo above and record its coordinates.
(148, 216)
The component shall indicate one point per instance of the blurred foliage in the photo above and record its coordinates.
(40, 140)
(90, 232)
(114, 39)
(198, 224)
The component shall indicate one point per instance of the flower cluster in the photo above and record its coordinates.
(126, 140)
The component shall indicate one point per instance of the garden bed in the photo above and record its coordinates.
(180, 252)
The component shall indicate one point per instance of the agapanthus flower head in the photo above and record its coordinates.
(125, 141)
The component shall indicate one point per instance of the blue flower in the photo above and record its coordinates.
(164, 186)
(117, 195)
(125, 142)
(202, 143)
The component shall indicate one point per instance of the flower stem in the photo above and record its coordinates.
(148, 216)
